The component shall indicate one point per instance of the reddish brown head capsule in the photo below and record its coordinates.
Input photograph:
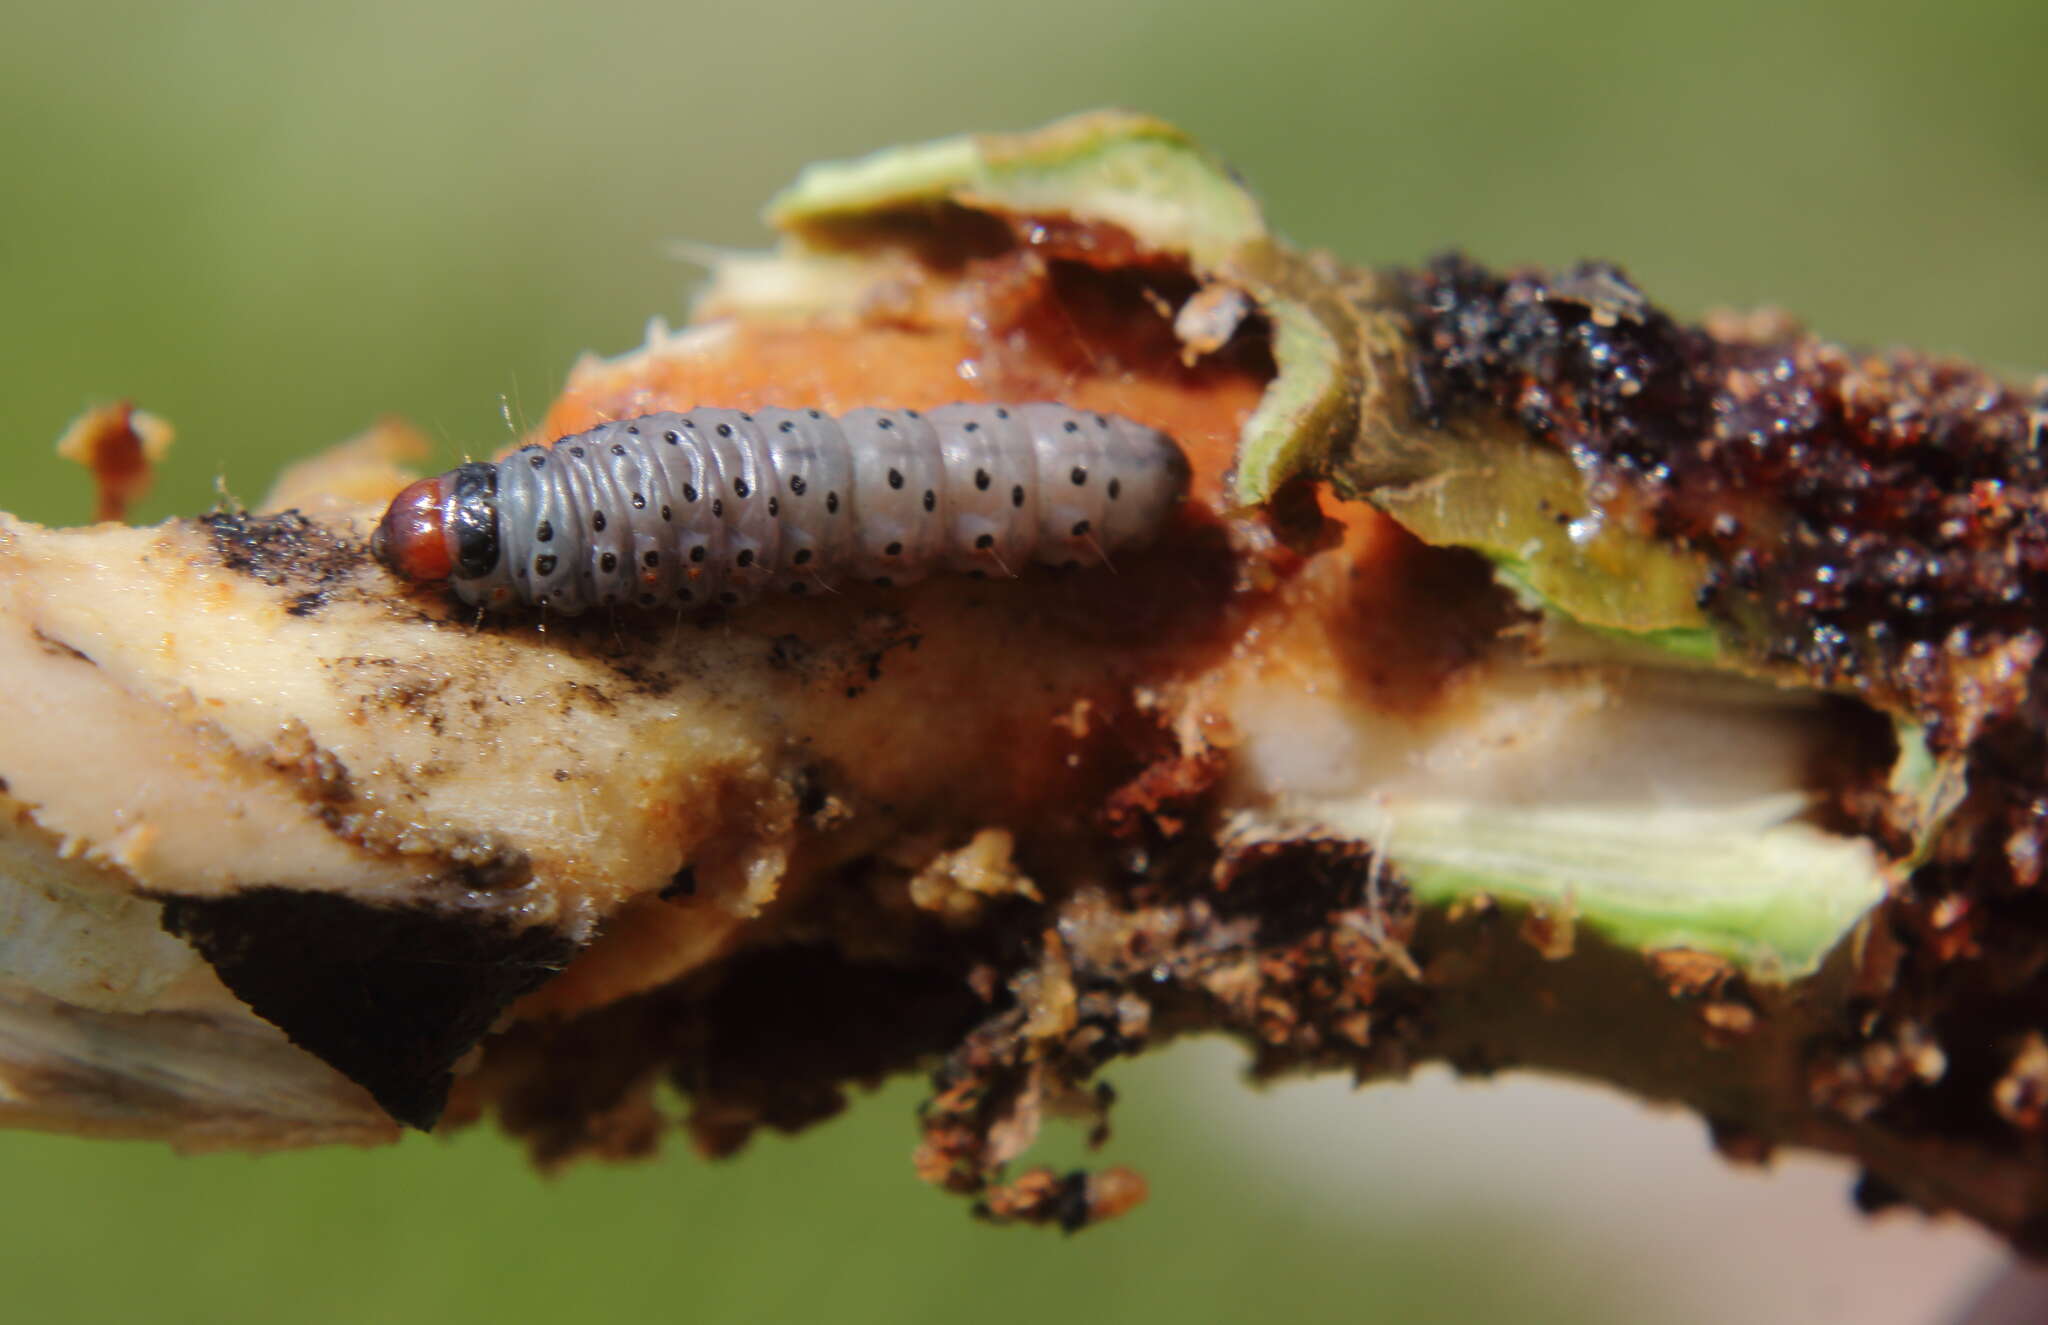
(412, 539)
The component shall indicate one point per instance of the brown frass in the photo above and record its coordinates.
(286, 550)
(1870, 518)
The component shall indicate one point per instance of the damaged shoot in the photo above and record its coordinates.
(1532, 678)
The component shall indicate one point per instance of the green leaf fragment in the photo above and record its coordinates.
(1748, 882)
(1526, 510)
(1130, 170)
(1291, 428)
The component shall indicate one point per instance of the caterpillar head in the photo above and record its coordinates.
(441, 527)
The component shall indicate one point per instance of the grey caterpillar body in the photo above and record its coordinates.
(710, 507)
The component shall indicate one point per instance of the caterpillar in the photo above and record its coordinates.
(711, 507)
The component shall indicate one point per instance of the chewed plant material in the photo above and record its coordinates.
(713, 506)
(1443, 719)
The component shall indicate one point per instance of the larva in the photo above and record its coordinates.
(715, 506)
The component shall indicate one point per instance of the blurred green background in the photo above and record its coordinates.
(273, 224)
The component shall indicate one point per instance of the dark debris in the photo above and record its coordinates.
(1877, 520)
(1020, 1022)
(287, 551)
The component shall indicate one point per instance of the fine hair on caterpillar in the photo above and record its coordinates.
(713, 507)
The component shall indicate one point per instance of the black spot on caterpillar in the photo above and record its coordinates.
(878, 495)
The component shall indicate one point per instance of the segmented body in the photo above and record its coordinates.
(716, 506)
